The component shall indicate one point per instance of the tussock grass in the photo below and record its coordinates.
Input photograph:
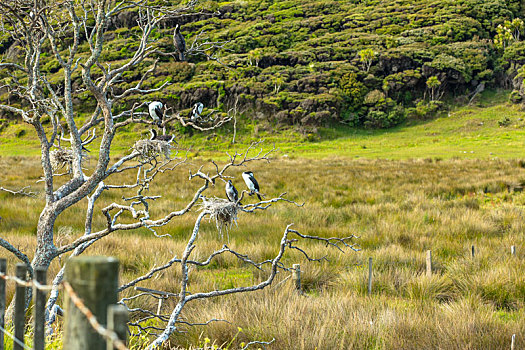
(398, 208)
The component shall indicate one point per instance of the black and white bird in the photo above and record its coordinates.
(196, 112)
(252, 184)
(179, 42)
(231, 192)
(155, 111)
(165, 138)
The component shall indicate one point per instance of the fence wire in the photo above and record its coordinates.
(28, 284)
(10, 335)
(97, 327)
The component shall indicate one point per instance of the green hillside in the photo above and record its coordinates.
(310, 63)
(491, 128)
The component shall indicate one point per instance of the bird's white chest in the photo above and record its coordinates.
(152, 111)
(249, 182)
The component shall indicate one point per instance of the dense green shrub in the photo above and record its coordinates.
(353, 90)
(384, 119)
(424, 110)
(515, 96)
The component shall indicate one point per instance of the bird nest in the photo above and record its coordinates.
(222, 212)
(63, 157)
(149, 149)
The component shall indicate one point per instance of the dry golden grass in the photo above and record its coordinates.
(398, 208)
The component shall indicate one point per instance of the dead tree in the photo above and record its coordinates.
(59, 29)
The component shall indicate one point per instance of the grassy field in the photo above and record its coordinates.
(402, 191)
(399, 208)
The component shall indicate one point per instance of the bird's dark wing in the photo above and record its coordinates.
(158, 112)
(166, 138)
(255, 183)
(235, 193)
(180, 44)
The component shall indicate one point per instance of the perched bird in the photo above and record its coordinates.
(252, 184)
(155, 111)
(197, 110)
(165, 138)
(231, 192)
(179, 42)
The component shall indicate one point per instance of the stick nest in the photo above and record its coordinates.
(223, 212)
(149, 149)
(63, 157)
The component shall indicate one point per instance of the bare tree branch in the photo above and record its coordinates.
(20, 256)
(21, 191)
(275, 266)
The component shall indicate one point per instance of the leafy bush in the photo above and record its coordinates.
(515, 96)
(424, 110)
(374, 97)
(385, 119)
(353, 90)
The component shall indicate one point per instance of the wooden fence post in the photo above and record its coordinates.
(39, 310)
(20, 307)
(117, 322)
(296, 276)
(369, 276)
(3, 270)
(472, 251)
(95, 281)
(513, 250)
(429, 263)
(159, 305)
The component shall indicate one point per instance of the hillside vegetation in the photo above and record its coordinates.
(367, 63)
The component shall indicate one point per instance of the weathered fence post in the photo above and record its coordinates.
(296, 276)
(159, 305)
(95, 281)
(472, 251)
(513, 250)
(369, 276)
(20, 305)
(117, 322)
(39, 310)
(3, 270)
(429, 263)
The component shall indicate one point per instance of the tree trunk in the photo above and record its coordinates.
(44, 254)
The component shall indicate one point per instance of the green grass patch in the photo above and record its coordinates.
(464, 132)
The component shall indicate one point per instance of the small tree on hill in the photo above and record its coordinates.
(433, 84)
(366, 57)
